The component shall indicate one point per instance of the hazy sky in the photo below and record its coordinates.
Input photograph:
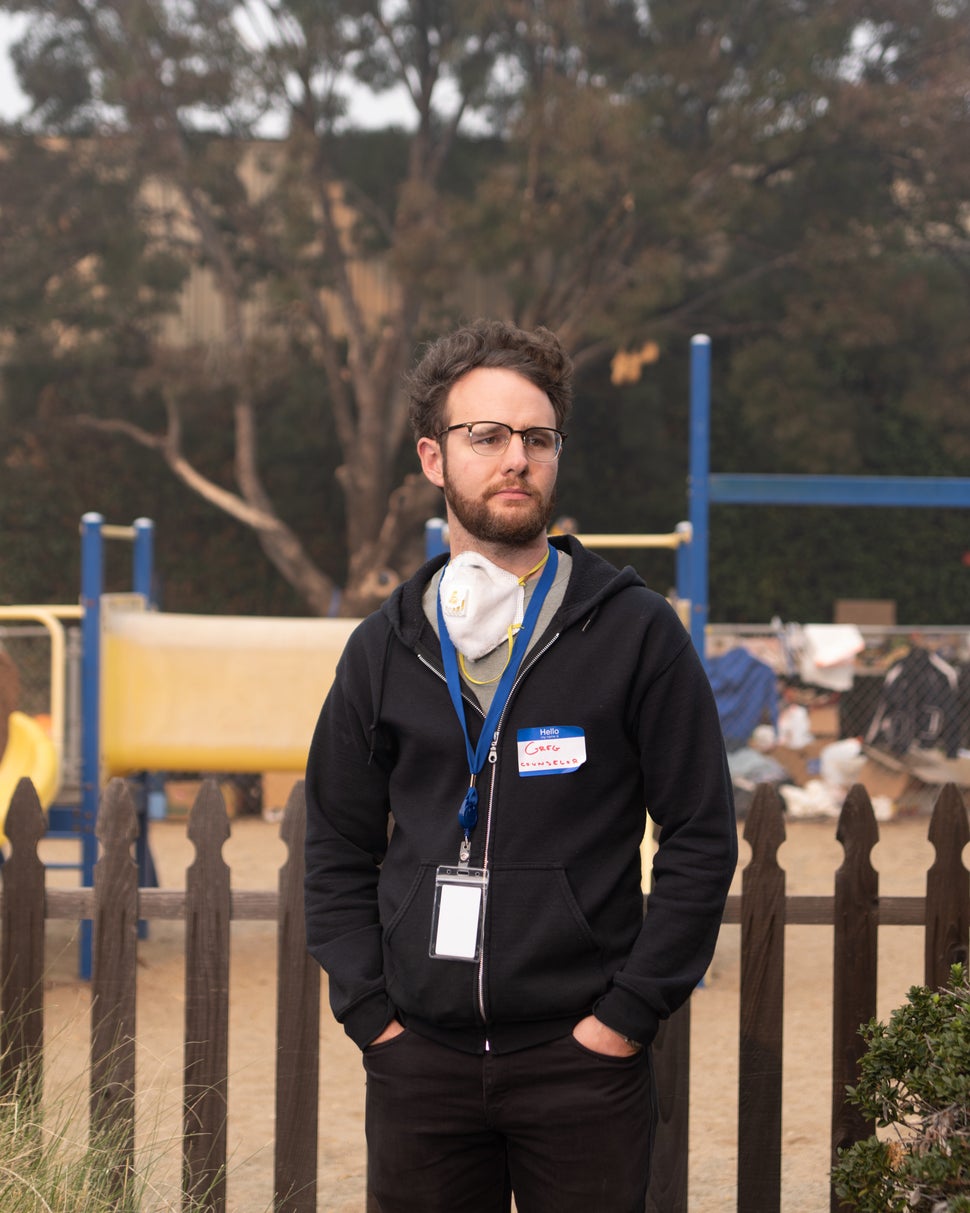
(365, 111)
(12, 100)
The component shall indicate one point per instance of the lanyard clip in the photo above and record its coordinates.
(468, 813)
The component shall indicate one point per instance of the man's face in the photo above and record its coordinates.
(505, 499)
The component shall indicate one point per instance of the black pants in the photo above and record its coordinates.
(568, 1130)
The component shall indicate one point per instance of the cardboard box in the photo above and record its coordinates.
(824, 721)
(277, 786)
(879, 612)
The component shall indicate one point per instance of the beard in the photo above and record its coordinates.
(513, 528)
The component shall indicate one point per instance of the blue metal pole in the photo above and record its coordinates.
(143, 558)
(146, 784)
(92, 584)
(682, 562)
(434, 538)
(935, 492)
(698, 493)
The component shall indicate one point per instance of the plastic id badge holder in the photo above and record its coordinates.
(459, 913)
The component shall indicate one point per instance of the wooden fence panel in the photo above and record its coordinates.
(763, 910)
(115, 943)
(855, 959)
(947, 890)
(206, 1083)
(22, 972)
(762, 1008)
(297, 1031)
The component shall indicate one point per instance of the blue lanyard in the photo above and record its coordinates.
(468, 813)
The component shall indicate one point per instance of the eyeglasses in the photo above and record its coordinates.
(492, 437)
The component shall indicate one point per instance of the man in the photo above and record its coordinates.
(512, 712)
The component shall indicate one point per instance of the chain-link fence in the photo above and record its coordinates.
(817, 708)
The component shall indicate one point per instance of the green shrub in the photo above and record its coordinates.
(915, 1082)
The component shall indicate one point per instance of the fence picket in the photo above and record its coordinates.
(854, 967)
(115, 941)
(206, 1080)
(22, 971)
(947, 890)
(297, 1030)
(762, 1008)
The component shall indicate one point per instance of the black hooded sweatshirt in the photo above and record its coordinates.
(564, 929)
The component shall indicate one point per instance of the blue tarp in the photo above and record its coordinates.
(746, 692)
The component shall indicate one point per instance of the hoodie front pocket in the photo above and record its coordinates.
(439, 990)
(542, 959)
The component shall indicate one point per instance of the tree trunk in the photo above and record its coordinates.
(380, 564)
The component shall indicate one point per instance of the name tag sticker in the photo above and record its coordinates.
(554, 749)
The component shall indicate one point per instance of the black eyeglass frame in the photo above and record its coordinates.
(467, 425)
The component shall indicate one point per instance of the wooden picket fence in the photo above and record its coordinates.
(208, 904)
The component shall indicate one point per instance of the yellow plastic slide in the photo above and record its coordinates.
(29, 752)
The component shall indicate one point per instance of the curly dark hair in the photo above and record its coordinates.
(537, 356)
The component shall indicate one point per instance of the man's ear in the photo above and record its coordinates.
(432, 461)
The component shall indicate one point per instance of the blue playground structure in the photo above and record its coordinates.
(152, 692)
(706, 489)
(63, 760)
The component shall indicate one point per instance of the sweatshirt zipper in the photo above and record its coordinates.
(493, 760)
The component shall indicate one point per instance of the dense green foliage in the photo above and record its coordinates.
(914, 1079)
(791, 179)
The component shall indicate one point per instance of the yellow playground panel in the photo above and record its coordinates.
(34, 751)
(30, 752)
(211, 693)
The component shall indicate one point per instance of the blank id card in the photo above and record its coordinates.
(459, 913)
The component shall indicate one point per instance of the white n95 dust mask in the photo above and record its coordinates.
(480, 603)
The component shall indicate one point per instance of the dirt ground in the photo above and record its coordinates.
(254, 852)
